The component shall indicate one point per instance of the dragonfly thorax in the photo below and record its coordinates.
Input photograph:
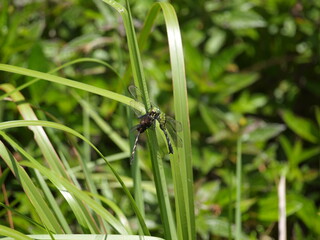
(148, 119)
(168, 125)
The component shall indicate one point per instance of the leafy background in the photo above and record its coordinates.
(252, 70)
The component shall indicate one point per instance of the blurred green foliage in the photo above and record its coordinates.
(252, 70)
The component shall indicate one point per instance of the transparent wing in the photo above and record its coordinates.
(136, 94)
(176, 125)
(134, 128)
(173, 127)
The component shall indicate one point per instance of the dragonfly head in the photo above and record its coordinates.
(154, 112)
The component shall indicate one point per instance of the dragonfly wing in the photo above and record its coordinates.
(177, 141)
(135, 93)
(134, 128)
(173, 127)
(176, 125)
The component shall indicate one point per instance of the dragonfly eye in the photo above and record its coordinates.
(154, 114)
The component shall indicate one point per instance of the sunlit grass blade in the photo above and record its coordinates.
(23, 123)
(181, 163)
(138, 75)
(80, 60)
(43, 210)
(83, 216)
(12, 234)
(63, 185)
(53, 203)
(73, 84)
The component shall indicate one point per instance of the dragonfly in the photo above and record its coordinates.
(168, 125)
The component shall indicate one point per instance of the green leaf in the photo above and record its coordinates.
(301, 126)
(231, 83)
(217, 226)
(248, 103)
(268, 207)
(216, 40)
(308, 212)
(222, 60)
(260, 131)
(239, 19)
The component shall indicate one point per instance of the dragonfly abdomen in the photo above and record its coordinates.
(162, 127)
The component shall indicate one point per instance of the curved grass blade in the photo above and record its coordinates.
(50, 155)
(34, 195)
(57, 69)
(23, 123)
(181, 163)
(13, 234)
(70, 83)
(73, 236)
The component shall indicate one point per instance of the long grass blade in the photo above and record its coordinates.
(83, 216)
(181, 163)
(12, 234)
(43, 210)
(33, 81)
(73, 84)
(23, 123)
(138, 75)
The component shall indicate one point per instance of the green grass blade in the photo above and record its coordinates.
(73, 84)
(87, 159)
(13, 234)
(23, 123)
(80, 237)
(105, 127)
(138, 75)
(156, 159)
(67, 188)
(35, 197)
(83, 216)
(27, 113)
(57, 69)
(181, 162)
(134, 53)
(147, 27)
(53, 204)
(23, 216)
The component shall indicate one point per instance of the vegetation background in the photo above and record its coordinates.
(252, 69)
